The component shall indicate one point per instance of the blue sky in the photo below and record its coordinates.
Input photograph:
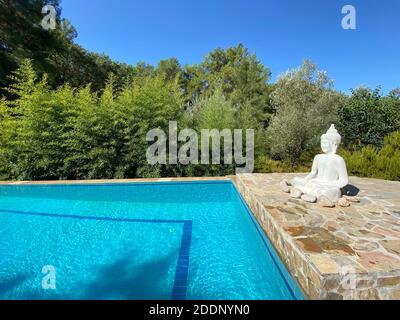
(282, 33)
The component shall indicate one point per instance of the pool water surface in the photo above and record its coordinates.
(164, 240)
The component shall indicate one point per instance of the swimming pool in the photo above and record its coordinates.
(164, 240)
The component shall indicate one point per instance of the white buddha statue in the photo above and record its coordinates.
(328, 175)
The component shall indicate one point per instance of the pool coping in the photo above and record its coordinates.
(317, 278)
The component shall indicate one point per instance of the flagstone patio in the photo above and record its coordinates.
(334, 253)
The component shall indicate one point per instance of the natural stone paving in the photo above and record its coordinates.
(334, 253)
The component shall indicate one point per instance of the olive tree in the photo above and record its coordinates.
(305, 104)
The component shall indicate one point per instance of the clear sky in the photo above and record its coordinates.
(281, 32)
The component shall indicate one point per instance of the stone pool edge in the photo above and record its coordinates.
(315, 284)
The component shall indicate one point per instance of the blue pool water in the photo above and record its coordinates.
(180, 240)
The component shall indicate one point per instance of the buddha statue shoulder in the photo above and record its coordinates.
(327, 178)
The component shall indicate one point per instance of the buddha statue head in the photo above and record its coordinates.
(330, 140)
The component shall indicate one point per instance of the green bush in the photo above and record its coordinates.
(366, 118)
(305, 107)
(376, 163)
(368, 162)
(71, 133)
(78, 133)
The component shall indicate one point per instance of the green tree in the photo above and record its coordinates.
(52, 51)
(212, 111)
(242, 77)
(147, 104)
(31, 144)
(96, 140)
(169, 69)
(305, 105)
(193, 83)
(367, 117)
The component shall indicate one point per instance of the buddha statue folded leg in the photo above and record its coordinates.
(306, 187)
(298, 182)
(331, 193)
(309, 198)
(311, 190)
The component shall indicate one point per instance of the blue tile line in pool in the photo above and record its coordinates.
(182, 268)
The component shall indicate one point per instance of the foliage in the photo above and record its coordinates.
(376, 163)
(66, 113)
(242, 77)
(214, 111)
(305, 105)
(76, 134)
(367, 117)
(52, 52)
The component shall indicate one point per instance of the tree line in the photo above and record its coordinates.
(66, 113)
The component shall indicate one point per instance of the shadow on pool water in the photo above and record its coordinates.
(123, 280)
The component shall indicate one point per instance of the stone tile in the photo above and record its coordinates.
(392, 246)
(368, 294)
(324, 263)
(365, 245)
(389, 281)
(377, 261)
(309, 245)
